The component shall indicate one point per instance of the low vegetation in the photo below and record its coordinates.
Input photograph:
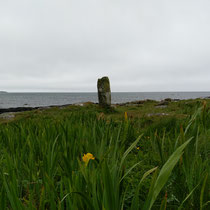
(136, 156)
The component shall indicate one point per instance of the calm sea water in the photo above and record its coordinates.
(8, 100)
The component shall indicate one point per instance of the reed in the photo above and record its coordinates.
(43, 164)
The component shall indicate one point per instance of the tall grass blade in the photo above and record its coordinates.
(164, 175)
(202, 192)
(109, 196)
(14, 201)
(129, 170)
(129, 150)
(187, 197)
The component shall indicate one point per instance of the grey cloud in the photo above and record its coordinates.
(141, 45)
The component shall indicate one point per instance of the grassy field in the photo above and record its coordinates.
(136, 156)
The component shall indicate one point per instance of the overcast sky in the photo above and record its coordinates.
(142, 45)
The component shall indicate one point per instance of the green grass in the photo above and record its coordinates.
(144, 162)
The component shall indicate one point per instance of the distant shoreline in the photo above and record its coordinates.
(129, 103)
(32, 100)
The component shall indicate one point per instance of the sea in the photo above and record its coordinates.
(12, 100)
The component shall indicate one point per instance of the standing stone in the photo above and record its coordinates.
(104, 92)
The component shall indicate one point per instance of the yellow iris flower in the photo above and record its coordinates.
(87, 157)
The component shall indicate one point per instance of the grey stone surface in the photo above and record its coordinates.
(104, 92)
(7, 116)
(161, 106)
(157, 114)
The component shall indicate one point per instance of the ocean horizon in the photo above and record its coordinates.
(39, 99)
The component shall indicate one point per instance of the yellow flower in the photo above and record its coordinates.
(126, 116)
(138, 148)
(87, 157)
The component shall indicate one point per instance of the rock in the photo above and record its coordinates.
(7, 116)
(79, 104)
(168, 99)
(161, 106)
(163, 103)
(104, 92)
(157, 114)
(17, 109)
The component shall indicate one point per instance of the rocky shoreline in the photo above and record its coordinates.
(17, 109)
(23, 109)
(164, 102)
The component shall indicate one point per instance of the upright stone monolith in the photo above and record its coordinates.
(104, 92)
